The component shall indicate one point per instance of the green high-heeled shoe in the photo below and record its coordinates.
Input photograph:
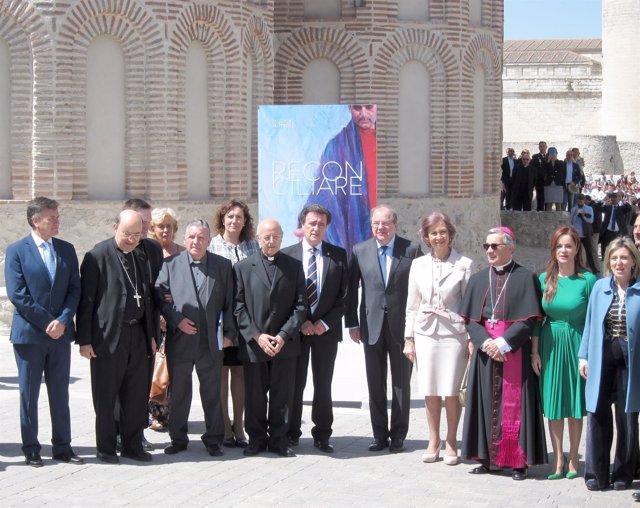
(571, 475)
(561, 474)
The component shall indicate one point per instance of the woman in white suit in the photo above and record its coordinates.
(435, 336)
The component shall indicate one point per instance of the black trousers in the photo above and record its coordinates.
(613, 390)
(375, 358)
(123, 375)
(540, 195)
(208, 370)
(268, 396)
(323, 351)
(589, 254)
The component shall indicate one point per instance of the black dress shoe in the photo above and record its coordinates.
(109, 458)
(140, 456)
(636, 496)
(215, 450)
(294, 441)
(480, 470)
(396, 446)
(254, 449)
(621, 485)
(172, 449)
(229, 442)
(282, 451)
(33, 459)
(592, 484)
(323, 446)
(378, 444)
(69, 458)
(519, 474)
(242, 443)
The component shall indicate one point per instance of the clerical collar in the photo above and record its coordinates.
(269, 258)
(203, 260)
(502, 268)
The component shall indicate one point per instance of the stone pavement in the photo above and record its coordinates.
(351, 477)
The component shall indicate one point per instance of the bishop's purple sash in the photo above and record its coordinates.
(510, 453)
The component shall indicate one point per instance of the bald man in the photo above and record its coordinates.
(271, 305)
(116, 332)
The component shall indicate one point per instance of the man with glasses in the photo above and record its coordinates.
(116, 331)
(503, 425)
(271, 306)
(380, 267)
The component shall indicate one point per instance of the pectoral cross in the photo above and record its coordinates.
(137, 298)
(492, 321)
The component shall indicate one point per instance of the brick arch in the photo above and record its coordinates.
(435, 53)
(19, 27)
(137, 34)
(257, 48)
(208, 25)
(307, 44)
(482, 51)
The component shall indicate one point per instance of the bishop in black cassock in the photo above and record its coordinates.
(503, 424)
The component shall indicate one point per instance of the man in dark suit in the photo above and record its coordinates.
(271, 305)
(43, 284)
(380, 266)
(326, 271)
(506, 173)
(615, 221)
(116, 331)
(575, 176)
(539, 161)
(194, 289)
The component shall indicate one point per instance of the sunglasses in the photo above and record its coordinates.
(494, 246)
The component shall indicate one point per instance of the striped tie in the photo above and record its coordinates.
(312, 279)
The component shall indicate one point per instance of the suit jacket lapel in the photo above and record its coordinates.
(184, 266)
(112, 259)
(395, 259)
(33, 250)
(326, 261)
(259, 271)
(210, 279)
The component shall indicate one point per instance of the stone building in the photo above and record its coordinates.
(101, 100)
(578, 92)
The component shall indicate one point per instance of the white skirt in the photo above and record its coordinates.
(440, 364)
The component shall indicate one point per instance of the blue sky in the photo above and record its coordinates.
(552, 19)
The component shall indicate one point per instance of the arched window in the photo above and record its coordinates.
(321, 82)
(479, 87)
(197, 123)
(106, 120)
(414, 129)
(5, 121)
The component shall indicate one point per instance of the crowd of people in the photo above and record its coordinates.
(249, 317)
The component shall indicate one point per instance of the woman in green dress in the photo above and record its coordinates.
(566, 287)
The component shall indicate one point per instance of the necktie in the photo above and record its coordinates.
(312, 279)
(383, 263)
(613, 226)
(49, 261)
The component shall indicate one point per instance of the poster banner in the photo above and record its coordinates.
(318, 154)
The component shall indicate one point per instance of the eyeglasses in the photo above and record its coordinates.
(494, 246)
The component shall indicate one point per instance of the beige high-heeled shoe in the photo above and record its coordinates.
(432, 457)
(450, 460)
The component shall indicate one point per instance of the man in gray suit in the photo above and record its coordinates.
(380, 266)
(194, 290)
